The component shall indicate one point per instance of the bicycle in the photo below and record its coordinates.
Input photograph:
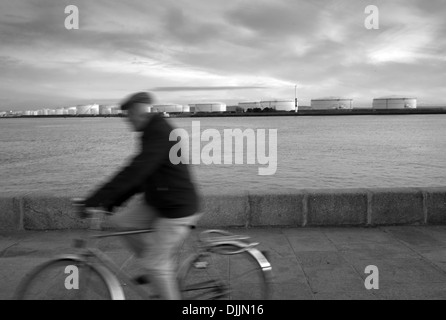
(222, 266)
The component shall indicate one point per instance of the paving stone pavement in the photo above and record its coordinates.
(308, 263)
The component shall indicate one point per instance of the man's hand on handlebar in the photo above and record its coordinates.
(81, 209)
(85, 212)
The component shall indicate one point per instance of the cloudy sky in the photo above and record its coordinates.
(229, 51)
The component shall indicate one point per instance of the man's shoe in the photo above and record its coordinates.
(142, 279)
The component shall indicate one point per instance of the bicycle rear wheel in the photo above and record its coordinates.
(217, 274)
(64, 279)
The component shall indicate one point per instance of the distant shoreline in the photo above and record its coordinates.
(337, 112)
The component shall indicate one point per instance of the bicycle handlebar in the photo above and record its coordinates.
(85, 212)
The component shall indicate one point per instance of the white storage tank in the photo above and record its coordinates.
(59, 111)
(83, 109)
(72, 110)
(94, 109)
(395, 102)
(249, 105)
(331, 103)
(234, 109)
(104, 110)
(169, 108)
(278, 105)
(208, 107)
(116, 110)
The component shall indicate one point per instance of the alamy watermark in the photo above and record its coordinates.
(372, 281)
(225, 149)
(372, 20)
(72, 280)
(72, 20)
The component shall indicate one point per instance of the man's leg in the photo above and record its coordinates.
(160, 261)
(136, 216)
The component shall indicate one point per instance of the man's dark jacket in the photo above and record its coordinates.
(167, 187)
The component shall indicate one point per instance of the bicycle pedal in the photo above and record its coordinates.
(140, 280)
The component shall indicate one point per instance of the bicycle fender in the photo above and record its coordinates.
(261, 259)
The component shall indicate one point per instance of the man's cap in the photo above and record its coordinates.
(139, 97)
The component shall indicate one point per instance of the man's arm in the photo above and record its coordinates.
(130, 179)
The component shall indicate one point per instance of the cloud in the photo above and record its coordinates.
(205, 88)
(184, 28)
(215, 50)
(409, 34)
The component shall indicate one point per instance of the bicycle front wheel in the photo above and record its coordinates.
(217, 274)
(64, 279)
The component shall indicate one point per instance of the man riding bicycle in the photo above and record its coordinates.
(170, 199)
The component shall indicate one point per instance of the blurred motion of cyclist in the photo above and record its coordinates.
(169, 204)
